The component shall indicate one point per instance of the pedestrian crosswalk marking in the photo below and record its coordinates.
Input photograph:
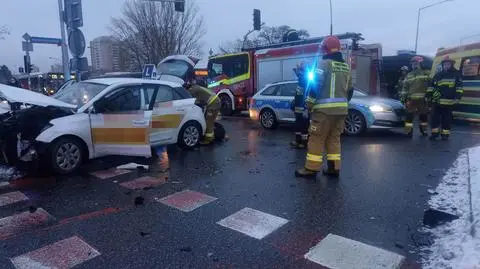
(336, 252)
(253, 223)
(66, 253)
(11, 198)
(186, 200)
(110, 173)
(22, 222)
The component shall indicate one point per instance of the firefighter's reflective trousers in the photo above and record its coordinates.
(416, 107)
(325, 131)
(442, 116)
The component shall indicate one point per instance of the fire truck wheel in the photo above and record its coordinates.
(227, 106)
(268, 120)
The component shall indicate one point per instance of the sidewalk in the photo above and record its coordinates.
(457, 244)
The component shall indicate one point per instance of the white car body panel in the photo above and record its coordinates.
(14, 94)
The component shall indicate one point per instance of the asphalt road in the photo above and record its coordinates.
(90, 222)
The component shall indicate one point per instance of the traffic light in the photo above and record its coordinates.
(180, 6)
(257, 21)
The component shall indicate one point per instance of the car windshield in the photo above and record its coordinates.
(79, 93)
(359, 93)
(174, 67)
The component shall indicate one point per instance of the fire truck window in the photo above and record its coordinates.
(272, 90)
(470, 68)
(239, 65)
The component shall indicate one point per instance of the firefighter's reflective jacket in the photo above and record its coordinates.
(446, 88)
(299, 100)
(415, 85)
(331, 94)
(205, 97)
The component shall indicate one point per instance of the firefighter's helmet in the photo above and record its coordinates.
(417, 59)
(448, 59)
(330, 45)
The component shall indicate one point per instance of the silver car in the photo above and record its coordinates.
(272, 105)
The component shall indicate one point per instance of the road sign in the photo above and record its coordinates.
(79, 64)
(45, 40)
(76, 42)
(73, 13)
(27, 46)
(26, 36)
(150, 71)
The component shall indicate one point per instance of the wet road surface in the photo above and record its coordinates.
(234, 205)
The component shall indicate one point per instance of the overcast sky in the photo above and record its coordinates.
(389, 22)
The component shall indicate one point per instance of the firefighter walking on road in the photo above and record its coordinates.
(413, 96)
(445, 91)
(327, 102)
(211, 104)
(301, 114)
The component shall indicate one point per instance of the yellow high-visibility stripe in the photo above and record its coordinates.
(408, 124)
(212, 99)
(460, 90)
(444, 83)
(209, 135)
(334, 157)
(447, 102)
(429, 89)
(329, 105)
(310, 100)
(299, 109)
(445, 132)
(435, 130)
(332, 85)
(314, 158)
(423, 124)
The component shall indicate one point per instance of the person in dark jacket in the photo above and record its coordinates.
(445, 91)
(13, 82)
(301, 114)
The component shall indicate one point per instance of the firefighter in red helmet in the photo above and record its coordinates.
(327, 101)
(445, 91)
(413, 96)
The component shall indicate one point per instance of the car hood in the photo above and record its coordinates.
(19, 95)
(370, 100)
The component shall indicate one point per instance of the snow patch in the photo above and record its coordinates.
(9, 173)
(455, 245)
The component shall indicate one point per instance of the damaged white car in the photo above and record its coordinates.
(94, 118)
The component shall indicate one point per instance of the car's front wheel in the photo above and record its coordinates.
(190, 134)
(354, 123)
(268, 120)
(66, 155)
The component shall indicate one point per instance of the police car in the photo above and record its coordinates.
(98, 117)
(272, 105)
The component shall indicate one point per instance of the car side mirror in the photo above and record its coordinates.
(97, 107)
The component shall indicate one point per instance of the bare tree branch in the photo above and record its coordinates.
(4, 31)
(150, 31)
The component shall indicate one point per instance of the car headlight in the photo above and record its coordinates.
(379, 108)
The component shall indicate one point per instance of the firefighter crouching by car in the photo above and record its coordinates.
(445, 91)
(301, 114)
(211, 104)
(413, 96)
(327, 102)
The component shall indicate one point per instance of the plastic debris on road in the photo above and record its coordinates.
(132, 166)
(9, 173)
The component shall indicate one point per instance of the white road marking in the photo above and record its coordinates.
(253, 223)
(186, 200)
(11, 198)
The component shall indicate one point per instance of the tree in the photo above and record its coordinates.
(150, 31)
(268, 35)
(4, 31)
(5, 74)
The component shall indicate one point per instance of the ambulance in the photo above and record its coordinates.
(467, 60)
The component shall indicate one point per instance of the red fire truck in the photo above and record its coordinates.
(237, 77)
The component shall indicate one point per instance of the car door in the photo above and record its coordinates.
(120, 122)
(167, 115)
(285, 96)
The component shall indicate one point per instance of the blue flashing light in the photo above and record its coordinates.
(310, 76)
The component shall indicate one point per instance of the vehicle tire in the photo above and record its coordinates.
(268, 120)
(219, 132)
(190, 135)
(66, 155)
(355, 123)
(227, 106)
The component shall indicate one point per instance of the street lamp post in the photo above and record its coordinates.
(418, 18)
(331, 18)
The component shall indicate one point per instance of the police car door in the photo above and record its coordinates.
(285, 95)
(120, 123)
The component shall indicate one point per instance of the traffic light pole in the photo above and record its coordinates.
(27, 53)
(65, 60)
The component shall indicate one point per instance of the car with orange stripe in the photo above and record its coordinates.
(98, 117)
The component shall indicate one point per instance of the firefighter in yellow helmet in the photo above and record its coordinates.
(327, 100)
(413, 96)
(211, 104)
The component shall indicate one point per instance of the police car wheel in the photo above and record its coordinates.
(354, 123)
(268, 119)
(190, 134)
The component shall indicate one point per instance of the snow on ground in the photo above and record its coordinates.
(457, 244)
(8, 173)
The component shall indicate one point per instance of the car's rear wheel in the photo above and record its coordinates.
(355, 123)
(66, 155)
(268, 120)
(227, 105)
(190, 134)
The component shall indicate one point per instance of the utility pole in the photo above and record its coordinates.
(331, 18)
(418, 19)
(65, 58)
